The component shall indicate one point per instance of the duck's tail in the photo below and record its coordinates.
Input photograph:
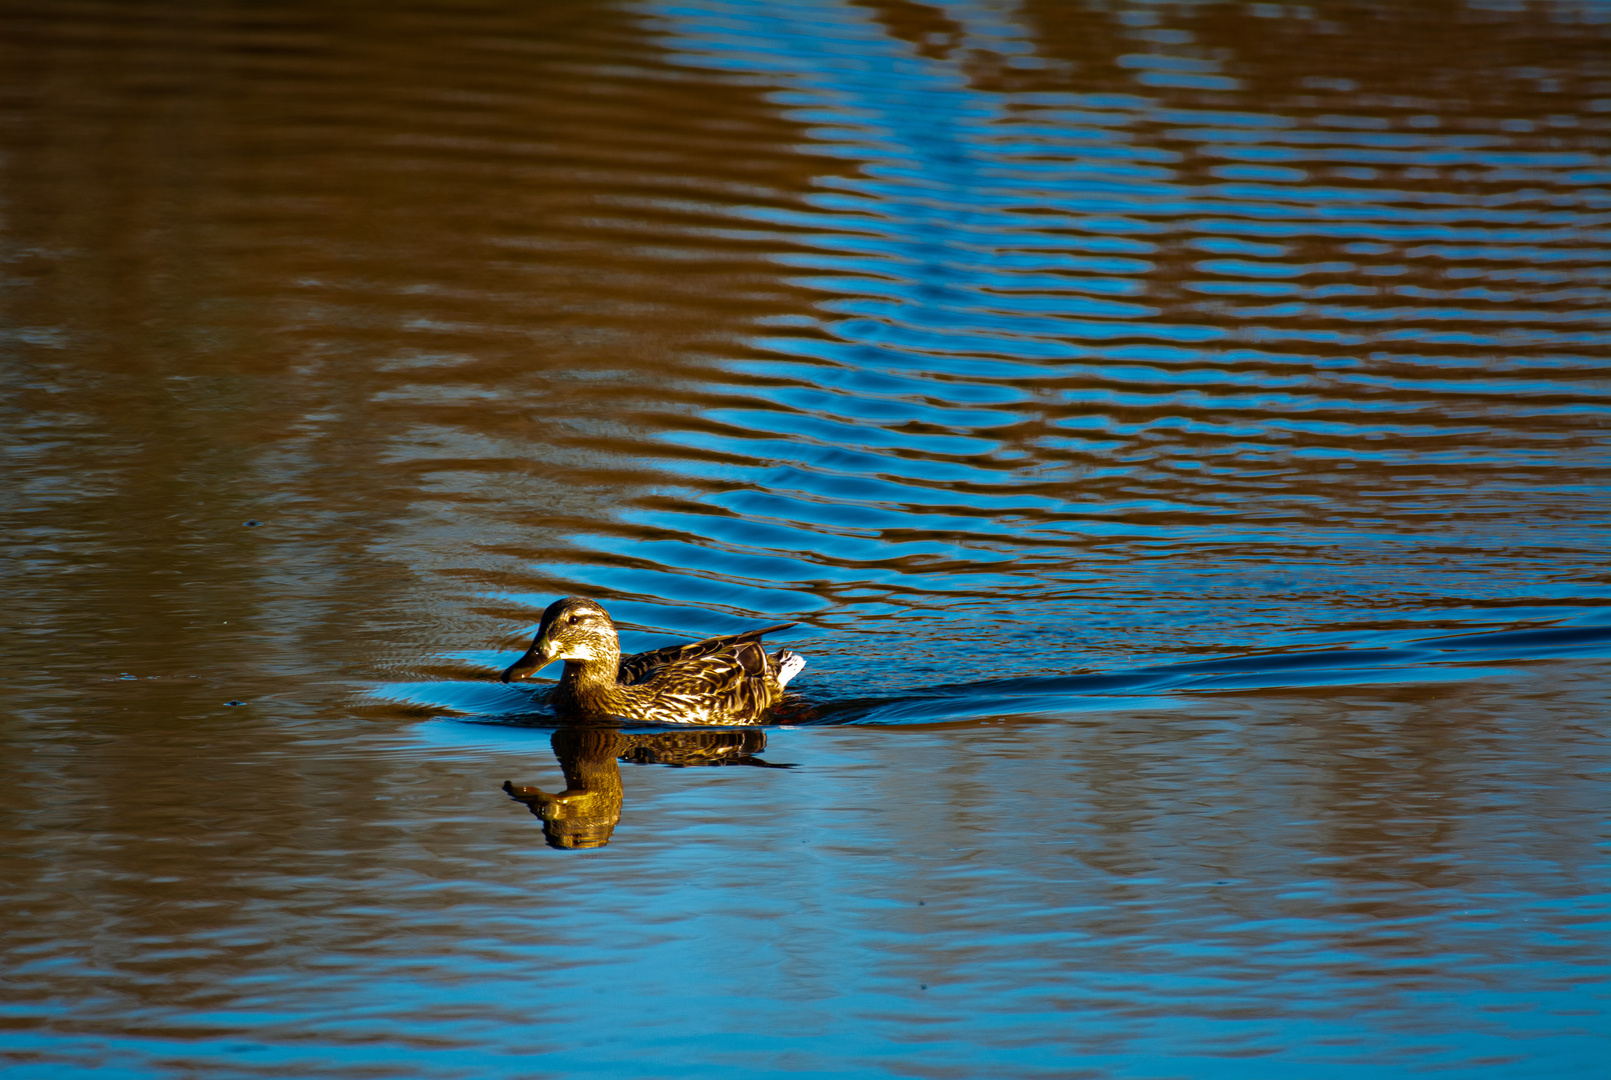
(789, 665)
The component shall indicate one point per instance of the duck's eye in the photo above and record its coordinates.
(574, 619)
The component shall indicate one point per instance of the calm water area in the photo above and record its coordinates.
(1181, 431)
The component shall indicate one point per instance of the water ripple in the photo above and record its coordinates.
(1022, 368)
(1202, 407)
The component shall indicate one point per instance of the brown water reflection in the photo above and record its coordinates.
(1055, 341)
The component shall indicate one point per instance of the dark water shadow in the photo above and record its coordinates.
(1456, 658)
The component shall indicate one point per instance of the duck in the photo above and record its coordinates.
(718, 681)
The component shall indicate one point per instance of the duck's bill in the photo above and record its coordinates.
(536, 658)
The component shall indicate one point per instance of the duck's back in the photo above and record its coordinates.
(713, 654)
(720, 680)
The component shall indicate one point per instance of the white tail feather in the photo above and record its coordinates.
(789, 665)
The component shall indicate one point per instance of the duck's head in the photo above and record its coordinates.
(574, 628)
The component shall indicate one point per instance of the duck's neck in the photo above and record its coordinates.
(594, 682)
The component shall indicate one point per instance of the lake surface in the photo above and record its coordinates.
(1179, 430)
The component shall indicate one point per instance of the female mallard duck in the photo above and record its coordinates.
(722, 680)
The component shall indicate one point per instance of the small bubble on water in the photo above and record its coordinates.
(233, 704)
(254, 523)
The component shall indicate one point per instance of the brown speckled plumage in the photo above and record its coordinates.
(722, 680)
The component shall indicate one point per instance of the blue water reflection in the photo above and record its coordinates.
(1040, 361)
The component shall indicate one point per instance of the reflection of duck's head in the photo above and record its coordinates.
(585, 814)
(573, 629)
(570, 822)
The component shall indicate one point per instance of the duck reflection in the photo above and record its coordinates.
(585, 814)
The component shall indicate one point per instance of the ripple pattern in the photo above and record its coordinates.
(1179, 428)
(1102, 371)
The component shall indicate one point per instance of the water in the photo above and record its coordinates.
(1180, 431)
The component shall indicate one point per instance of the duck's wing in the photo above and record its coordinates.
(733, 684)
(716, 655)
